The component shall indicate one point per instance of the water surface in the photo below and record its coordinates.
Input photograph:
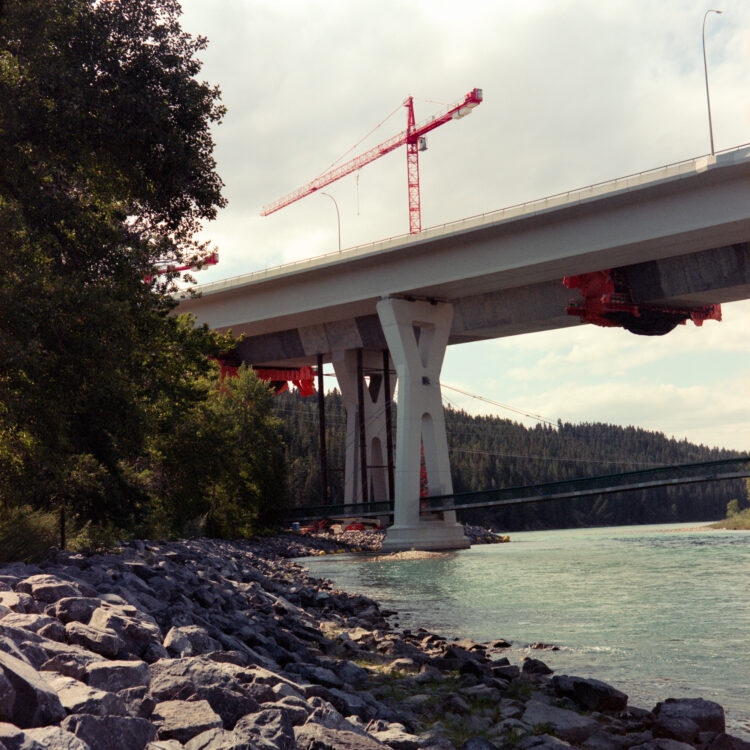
(654, 611)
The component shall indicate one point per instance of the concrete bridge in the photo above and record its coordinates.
(681, 234)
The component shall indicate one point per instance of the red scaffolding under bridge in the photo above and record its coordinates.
(569, 489)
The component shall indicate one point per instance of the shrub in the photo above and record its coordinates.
(26, 535)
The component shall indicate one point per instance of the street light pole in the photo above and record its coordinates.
(338, 215)
(705, 70)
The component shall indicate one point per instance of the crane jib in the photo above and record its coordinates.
(410, 137)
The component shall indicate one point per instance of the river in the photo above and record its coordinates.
(657, 611)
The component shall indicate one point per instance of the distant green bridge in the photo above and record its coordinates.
(661, 476)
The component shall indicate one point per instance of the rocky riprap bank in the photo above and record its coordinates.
(216, 645)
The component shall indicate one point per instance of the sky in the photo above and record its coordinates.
(575, 92)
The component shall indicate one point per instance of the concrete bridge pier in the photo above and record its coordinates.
(362, 382)
(417, 334)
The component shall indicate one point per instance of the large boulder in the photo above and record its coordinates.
(48, 588)
(183, 720)
(567, 725)
(317, 737)
(117, 675)
(25, 698)
(74, 608)
(55, 738)
(98, 640)
(189, 640)
(683, 718)
(270, 728)
(592, 695)
(137, 633)
(110, 732)
(78, 698)
(178, 679)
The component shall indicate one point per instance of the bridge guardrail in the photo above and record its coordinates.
(704, 471)
(626, 181)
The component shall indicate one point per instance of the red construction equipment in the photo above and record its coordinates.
(303, 378)
(607, 301)
(414, 139)
(211, 260)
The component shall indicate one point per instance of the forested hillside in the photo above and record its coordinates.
(490, 452)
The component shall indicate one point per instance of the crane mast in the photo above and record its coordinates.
(414, 139)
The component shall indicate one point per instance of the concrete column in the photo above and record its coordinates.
(417, 334)
(345, 367)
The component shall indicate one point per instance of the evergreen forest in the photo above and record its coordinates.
(489, 452)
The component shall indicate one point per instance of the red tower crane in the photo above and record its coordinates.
(414, 139)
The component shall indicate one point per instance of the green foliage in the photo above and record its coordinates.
(739, 521)
(107, 172)
(26, 534)
(733, 508)
(220, 468)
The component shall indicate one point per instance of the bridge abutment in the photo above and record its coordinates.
(417, 335)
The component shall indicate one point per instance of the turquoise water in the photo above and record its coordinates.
(656, 611)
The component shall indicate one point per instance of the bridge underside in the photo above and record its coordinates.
(679, 235)
(412, 334)
(703, 278)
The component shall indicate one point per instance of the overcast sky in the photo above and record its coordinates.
(575, 92)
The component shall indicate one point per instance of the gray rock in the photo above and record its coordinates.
(74, 609)
(189, 640)
(478, 743)
(137, 634)
(231, 704)
(602, 740)
(46, 626)
(110, 732)
(57, 739)
(181, 678)
(542, 742)
(270, 728)
(567, 725)
(9, 647)
(297, 709)
(728, 742)
(13, 738)
(312, 736)
(117, 675)
(137, 701)
(219, 739)
(29, 701)
(534, 666)
(506, 672)
(165, 745)
(183, 720)
(66, 664)
(48, 588)
(592, 695)
(17, 602)
(683, 718)
(98, 640)
(78, 698)
(397, 738)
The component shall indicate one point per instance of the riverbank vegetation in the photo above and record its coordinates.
(110, 417)
(737, 518)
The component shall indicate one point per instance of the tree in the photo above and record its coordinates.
(107, 172)
(222, 469)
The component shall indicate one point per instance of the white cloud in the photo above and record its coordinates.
(576, 91)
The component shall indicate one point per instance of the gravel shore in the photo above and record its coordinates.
(218, 645)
